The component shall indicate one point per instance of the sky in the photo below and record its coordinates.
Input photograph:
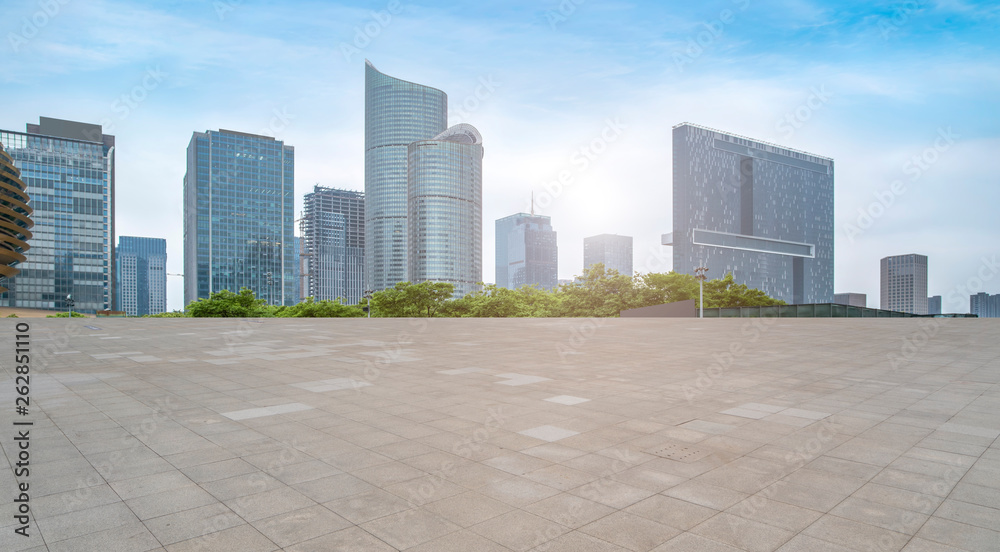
(904, 96)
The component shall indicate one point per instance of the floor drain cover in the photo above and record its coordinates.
(682, 452)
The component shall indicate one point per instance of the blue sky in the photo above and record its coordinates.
(904, 96)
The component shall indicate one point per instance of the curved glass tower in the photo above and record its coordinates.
(15, 218)
(397, 113)
(445, 198)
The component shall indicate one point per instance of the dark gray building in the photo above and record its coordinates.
(904, 283)
(397, 113)
(333, 248)
(445, 209)
(985, 305)
(612, 250)
(852, 299)
(142, 275)
(934, 304)
(69, 170)
(526, 252)
(239, 199)
(760, 211)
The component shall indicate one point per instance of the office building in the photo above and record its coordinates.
(612, 250)
(904, 283)
(526, 252)
(239, 200)
(757, 210)
(397, 113)
(333, 233)
(934, 304)
(851, 299)
(16, 214)
(141, 275)
(985, 305)
(445, 209)
(297, 269)
(69, 170)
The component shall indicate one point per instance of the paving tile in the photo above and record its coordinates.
(243, 538)
(367, 506)
(690, 542)
(352, 539)
(855, 535)
(569, 510)
(548, 433)
(192, 523)
(300, 525)
(468, 508)
(706, 495)
(519, 530)
(630, 531)
(568, 400)
(133, 537)
(410, 528)
(258, 506)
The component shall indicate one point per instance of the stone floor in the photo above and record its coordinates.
(507, 435)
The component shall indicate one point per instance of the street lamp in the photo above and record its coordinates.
(69, 304)
(368, 296)
(700, 275)
(270, 288)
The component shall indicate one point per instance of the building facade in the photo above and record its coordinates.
(239, 197)
(15, 230)
(611, 250)
(333, 233)
(757, 210)
(851, 299)
(397, 113)
(984, 305)
(445, 209)
(934, 304)
(69, 170)
(904, 283)
(141, 265)
(527, 252)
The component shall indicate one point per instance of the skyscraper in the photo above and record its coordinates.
(142, 275)
(297, 269)
(69, 170)
(16, 214)
(333, 233)
(934, 304)
(526, 252)
(760, 211)
(445, 209)
(611, 250)
(397, 113)
(985, 305)
(239, 200)
(904, 283)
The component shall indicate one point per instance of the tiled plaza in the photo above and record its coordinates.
(480, 435)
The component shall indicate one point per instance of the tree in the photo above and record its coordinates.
(406, 299)
(226, 304)
(598, 293)
(310, 308)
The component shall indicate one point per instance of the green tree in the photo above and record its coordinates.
(310, 308)
(598, 293)
(407, 299)
(226, 304)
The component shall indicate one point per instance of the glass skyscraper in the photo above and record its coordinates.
(333, 234)
(445, 215)
(985, 305)
(69, 170)
(904, 283)
(759, 211)
(611, 250)
(526, 252)
(15, 230)
(239, 200)
(142, 275)
(397, 113)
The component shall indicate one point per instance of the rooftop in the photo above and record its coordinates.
(508, 435)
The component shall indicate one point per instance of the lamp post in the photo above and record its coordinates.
(69, 304)
(368, 296)
(700, 275)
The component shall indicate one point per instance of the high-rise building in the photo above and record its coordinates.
(397, 113)
(904, 283)
(984, 305)
(239, 198)
(16, 214)
(934, 304)
(445, 209)
(297, 269)
(69, 170)
(851, 299)
(333, 233)
(757, 210)
(612, 250)
(526, 252)
(142, 275)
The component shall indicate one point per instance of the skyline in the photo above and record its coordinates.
(905, 102)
